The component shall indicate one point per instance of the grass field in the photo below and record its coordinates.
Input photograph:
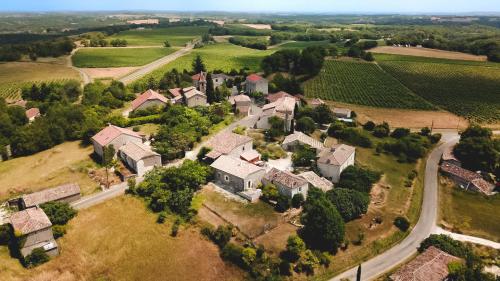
(469, 89)
(176, 36)
(304, 44)
(223, 56)
(469, 212)
(118, 57)
(15, 75)
(361, 83)
(426, 52)
(67, 162)
(120, 240)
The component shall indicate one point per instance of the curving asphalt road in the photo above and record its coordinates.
(424, 227)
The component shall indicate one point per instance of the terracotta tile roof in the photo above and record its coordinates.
(175, 92)
(337, 155)
(192, 92)
(303, 139)
(32, 112)
(459, 172)
(484, 186)
(448, 154)
(234, 166)
(221, 75)
(51, 194)
(313, 179)
(316, 102)
(274, 97)
(284, 178)
(250, 155)
(21, 103)
(431, 265)
(137, 151)
(111, 132)
(30, 220)
(148, 95)
(226, 142)
(202, 76)
(241, 98)
(280, 107)
(254, 78)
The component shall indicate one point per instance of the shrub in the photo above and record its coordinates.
(303, 156)
(283, 203)
(306, 125)
(285, 268)
(269, 192)
(435, 138)
(369, 126)
(294, 248)
(402, 223)
(233, 253)
(324, 258)
(59, 212)
(175, 228)
(297, 200)
(58, 230)
(222, 235)
(382, 130)
(308, 262)
(400, 132)
(5, 234)
(445, 243)
(161, 217)
(248, 256)
(37, 257)
(426, 131)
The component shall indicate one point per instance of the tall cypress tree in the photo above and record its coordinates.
(210, 91)
(198, 65)
(358, 274)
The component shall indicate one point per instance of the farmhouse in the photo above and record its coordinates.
(200, 81)
(332, 161)
(449, 157)
(219, 79)
(113, 135)
(283, 108)
(431, 265)
(287, 183)
(344, 113)
(298, 138)
(242, 104)
(193, 97)
(316, 181)
(35, 229)
(32, 114)
(281, 94)
(149, 99)
(64, 193)
(236, 173)
(315, 103)
(176, 96)
(139, 157)
(255, 83)
(229, 143)
(467, 179)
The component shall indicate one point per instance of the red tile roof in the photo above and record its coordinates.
(274, 97)
(254, 78)
(175, 92)
(459, 172)
(111, 132)
(51, 194)
(30, 220)
(202, 76)
(32, 112)
(148, 95)
(284, 178)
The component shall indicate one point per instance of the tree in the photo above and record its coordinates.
(323, 226)
(277, 127)
(477, 150)
(402, 223)
(303, 156)
(294, 248)
(400, 132)
(358, 178)
(166, 44)
(322, 114)
(210, 91)
(270, 192)
(108, 155)
(283, 203)
(37, 257)
(248, 256)
(381, 130)
(59, 212)
(369, 126)
(350, 203)
(297, 200)
(358, 273)
(198, 65)
(306, 125)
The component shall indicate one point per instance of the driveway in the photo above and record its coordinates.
(424, 227)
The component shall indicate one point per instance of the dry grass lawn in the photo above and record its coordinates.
(48, 69)
(108, 72)
(258, 26)
(414, 119)
(67, 162)
(120, 240)
(425, 52)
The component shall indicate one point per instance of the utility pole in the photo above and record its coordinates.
(358, 274)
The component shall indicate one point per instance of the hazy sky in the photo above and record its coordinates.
(332, 6)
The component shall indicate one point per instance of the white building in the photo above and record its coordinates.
(139, 157)
(299, 138)
(193, 97)
(236, 173)
(255, 83)
(229, 143)
(113, 135)
(283, 108)
(332, 161)
(287, 183)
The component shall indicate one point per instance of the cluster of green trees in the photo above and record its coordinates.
(256, 43)
(98, 39)
(479, 151)
(349, 134)
(181, 127)
(110, 96)
(280, 83)
(358, 178)
(171, 190)
(471, 270)
(321, 114)
(296, 256)
(48, 48)
(303, 156)
(59, 214)
(308, 61)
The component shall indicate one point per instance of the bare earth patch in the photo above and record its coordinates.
(414, 119)
(425, 52)
(258, 26)
(110, 72)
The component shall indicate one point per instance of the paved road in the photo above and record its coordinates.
(424, 227)
(129, 78)
(467, 238)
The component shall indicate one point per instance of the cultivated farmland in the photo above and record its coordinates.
(362, 83)
(176, 36)
(12, 91)
(471, 90)
(118, 57)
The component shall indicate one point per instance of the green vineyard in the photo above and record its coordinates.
(11, 91)
(364, 84)
(472, 91)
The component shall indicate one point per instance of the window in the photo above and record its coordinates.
(243, 148)
(226, 178)
(249, 184)
(300, 189)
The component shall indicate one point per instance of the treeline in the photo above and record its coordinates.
(99, 40)
(52, 48)
(253, 43)
(308, 61)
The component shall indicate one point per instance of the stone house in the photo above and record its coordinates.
(139, 157)
(283, 108)
(64, 193)
(35, 228)
(316, 181)
(114, 135)
(344, 113)
(298, 138)
(287, 183)
(466, 179)
(176, 96)
(332, 161)
(241, 104)
(193, 97)
(236, 173)
(255, 83)
(270, 98)
(219, 79)
(149, 99)
(32, 114)
(229, 143)
(200, 81)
